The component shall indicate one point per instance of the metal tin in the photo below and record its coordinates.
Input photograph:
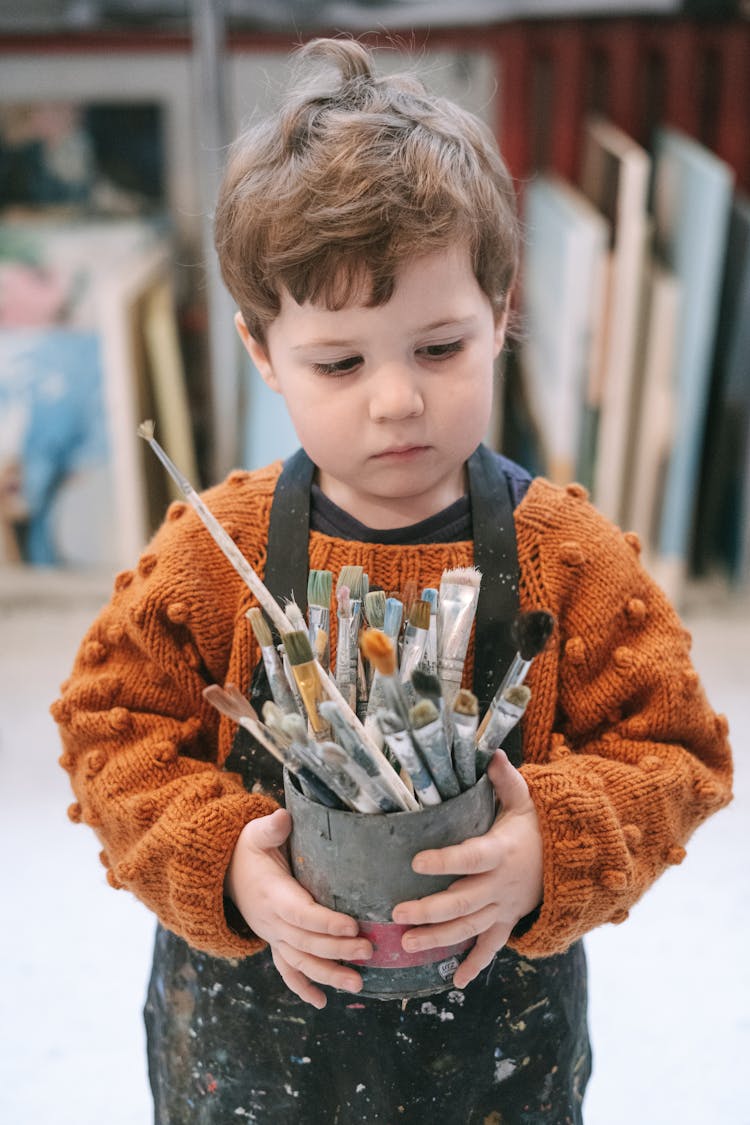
(361, 865)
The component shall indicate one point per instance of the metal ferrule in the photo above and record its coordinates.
(433, 744)
(283, 696)
(464, 748)
(456, 611)
(503, 717)
(319, 617)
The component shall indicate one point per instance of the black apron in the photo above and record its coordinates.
(227, 1041)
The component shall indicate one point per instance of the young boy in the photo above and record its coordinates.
(368, 236)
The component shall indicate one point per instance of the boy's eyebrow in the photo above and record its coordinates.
(464, 322)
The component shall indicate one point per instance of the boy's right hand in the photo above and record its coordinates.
(307, 940)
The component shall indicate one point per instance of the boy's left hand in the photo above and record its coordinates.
(503, 880)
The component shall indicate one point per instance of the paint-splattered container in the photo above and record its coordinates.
(361, 865)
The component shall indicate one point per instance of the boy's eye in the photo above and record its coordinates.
(339, 366)
(442, 351)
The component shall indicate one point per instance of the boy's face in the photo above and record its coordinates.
(389, 401)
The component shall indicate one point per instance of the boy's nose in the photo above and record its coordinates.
(395, 394)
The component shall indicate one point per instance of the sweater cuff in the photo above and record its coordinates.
(198, 898)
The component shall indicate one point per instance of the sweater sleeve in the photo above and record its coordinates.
(141, 745)
(624, 756)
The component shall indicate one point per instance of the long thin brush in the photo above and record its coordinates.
(530, 632)
(217, 532)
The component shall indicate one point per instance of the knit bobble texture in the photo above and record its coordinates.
(635, 611)
(633, 540)
(575, 650)
(176, 510)
(178, 613)
(633, 836)
(147, 564)
(123, 580)
(577, 491)
(571, 554)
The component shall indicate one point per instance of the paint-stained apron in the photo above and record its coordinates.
(228, 1042)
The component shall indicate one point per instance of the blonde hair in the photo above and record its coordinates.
(351, 177)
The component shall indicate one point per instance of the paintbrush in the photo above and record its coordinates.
(428, 731)
(415, 642)
(409, 596)
(465, 719)
(217, 533)
(392, 617)
(295, 616)
(277, 681)
(319, 590)
(376, 784)
(459, 594)
(345, 679)
(505, 713)
(429, 658)
(226, 701)
(375, 608)
(380, 650)
(305, 671)
(400, 743)
(530, 633)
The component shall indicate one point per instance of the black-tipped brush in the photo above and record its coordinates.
(530, 632)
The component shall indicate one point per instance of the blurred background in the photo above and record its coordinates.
(626, 127)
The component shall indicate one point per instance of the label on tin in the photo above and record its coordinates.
(389, 953)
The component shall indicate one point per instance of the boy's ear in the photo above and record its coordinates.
(501, 324)
(257, 352)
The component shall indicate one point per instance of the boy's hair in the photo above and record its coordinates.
(349, 179)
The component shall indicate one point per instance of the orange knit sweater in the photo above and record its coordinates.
(622, 753)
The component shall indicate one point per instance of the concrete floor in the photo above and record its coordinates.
(669, 989)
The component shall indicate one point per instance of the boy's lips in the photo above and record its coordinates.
(401, 452)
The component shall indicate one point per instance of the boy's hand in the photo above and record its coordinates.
(306, 939)
(503, 880)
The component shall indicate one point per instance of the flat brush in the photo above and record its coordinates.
(305, 672)
(319, 590)
(457, 606)
(530, 633)
(217, 533)
(277, 681)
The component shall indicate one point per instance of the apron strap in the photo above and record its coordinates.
(495, 555)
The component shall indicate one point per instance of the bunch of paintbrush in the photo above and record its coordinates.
(403, 698)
